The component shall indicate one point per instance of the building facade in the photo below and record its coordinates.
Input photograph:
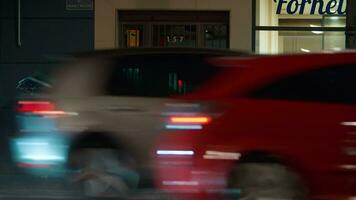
(263, 26)
(35, 33)
(169, 23)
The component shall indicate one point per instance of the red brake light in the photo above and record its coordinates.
(43, 108)
(34, 106)
(202, 120)
(184, 115)
(29, 165)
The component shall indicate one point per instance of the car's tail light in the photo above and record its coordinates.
(34, 106)
(202, 120)
(190, 115)
(43, 108)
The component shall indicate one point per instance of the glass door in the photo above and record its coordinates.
(174, 35)
(192, 29)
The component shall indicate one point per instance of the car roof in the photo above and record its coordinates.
(158, 51)
(252, 72)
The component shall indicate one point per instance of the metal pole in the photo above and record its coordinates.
(19, 23)
(350, 25)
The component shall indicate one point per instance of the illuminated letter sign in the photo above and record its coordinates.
(321, 7)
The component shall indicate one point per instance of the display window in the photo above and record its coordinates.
(292, 26)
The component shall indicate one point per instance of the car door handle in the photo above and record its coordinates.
(123, 109)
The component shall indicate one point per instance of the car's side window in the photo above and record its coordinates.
(333, 84)
(126, 80)
(129, 77)
(158, 76)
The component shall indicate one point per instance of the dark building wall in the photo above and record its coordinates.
(48, 30)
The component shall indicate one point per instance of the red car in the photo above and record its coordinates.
(276, 127)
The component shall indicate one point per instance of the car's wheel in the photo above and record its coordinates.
(103, 172)
(267, 181)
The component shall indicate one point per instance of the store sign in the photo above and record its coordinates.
(320, 7)
(79, 4)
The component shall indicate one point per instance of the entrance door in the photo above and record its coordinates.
(175, 35)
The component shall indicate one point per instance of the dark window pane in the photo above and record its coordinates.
(331, 85)
(215, 36)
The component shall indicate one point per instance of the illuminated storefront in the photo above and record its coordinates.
(209, 29)
(263, 26)
(218, 24)
(289, 26)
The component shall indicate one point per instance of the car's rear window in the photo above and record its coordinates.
(160, 76)
(38, 82)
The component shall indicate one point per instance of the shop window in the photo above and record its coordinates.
(300, 32)
(299, 41)
(215, 36)
(191, 29)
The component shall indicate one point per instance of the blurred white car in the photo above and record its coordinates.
(98, 117)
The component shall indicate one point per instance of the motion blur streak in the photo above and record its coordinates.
(185, 127)
(44, 108)
(34, 106)
(190, 120)
(55, 113)
(37, 150)
(348, 123)
(175, 152)
(180, 182)
(219, 155)
(28, 165)
(42, 157)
